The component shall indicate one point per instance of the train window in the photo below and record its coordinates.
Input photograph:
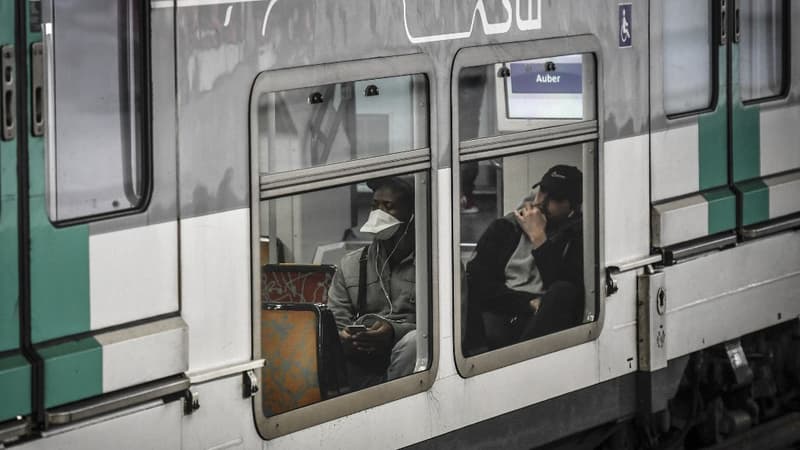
(688, 60)
(96, 127)
(340, 122)
(523, 241)
(520, 95)
(761, 56)
(525, 231)
(343, 261)
(341, 245)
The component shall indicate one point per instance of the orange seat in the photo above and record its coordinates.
(299, 338)
(289, 341)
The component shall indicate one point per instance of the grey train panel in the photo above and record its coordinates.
(218, 59)
(543, 423)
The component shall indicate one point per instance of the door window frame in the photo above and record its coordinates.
(657, 94)
(786, 54)
(658, 61)
(145, 142)
(586, 131)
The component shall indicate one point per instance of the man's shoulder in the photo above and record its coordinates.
(349, 261)
(571, 231)
(502, 231)
(354, 254)
(505, 224)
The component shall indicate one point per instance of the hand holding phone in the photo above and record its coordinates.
(355, 329)
(375, 338)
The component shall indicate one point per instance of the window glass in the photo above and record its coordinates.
(527, 263)
(310, 127)
(97, 143)
(761, 49)
(688, 46)
(344, 289)
(523, 95)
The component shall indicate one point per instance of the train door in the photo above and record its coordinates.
(723, 143)
(15, 371)
(98, 299)
(765, 111)
(691, 198)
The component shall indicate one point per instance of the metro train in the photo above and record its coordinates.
(181, 181)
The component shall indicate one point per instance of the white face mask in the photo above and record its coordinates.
(382, 224)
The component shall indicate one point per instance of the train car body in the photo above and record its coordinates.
(156, 156)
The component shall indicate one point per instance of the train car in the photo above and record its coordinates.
(184, 188)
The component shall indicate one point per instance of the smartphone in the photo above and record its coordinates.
(355, 329)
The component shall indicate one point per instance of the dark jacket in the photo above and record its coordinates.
(560, 258)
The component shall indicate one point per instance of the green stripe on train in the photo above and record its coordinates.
(59, 259)
(721, 210)
(59, 264)
(746, 129)
(73, 371)
(15, 372)
(9, 275)
(59, 277)
(713, 137)
(9, 240)
(754, 205)
(15, 386)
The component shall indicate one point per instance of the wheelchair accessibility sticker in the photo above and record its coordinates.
(625, 23)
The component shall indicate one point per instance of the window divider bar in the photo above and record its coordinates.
(314, 179)
(364, 164)
(497, 150)
(311, 174)
(538, 135)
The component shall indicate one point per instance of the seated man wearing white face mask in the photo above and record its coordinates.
(373, 292)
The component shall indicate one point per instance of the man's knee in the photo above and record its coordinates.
(406, 347)
(404, 356)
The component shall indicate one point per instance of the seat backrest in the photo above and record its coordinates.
(305, 360)
(289, 341)
(296, 283)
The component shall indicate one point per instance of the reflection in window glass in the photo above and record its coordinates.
(688, 69)
(99, 98)
(310, 127)
(523, 95)
(344, 289)
(761, 49)
(522, 249)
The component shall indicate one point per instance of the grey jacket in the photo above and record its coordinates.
(398, 283)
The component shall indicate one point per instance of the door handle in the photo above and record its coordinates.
(37, 89)
(8, 94)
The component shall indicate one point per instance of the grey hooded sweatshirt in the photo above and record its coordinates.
(398, 283)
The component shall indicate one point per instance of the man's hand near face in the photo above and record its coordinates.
(533, 220)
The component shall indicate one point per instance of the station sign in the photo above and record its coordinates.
(548, 88)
